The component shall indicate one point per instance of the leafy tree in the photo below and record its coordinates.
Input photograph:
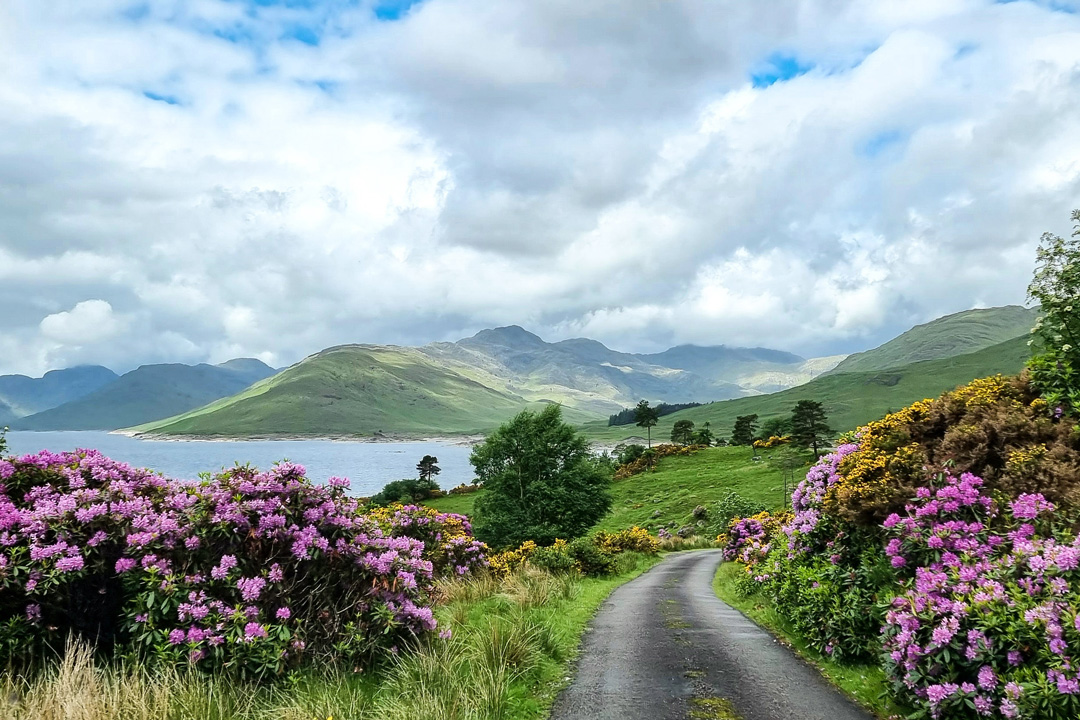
(428, 467)
(646, 417)
(810, 425)
(744, 430)
(540, 482)
(1055, 367)
(683, 432)
(404, 491)
(775, 427)
(704, 435)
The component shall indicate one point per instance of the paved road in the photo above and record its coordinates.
(663, 647)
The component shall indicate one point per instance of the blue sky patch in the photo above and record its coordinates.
(778, 68)
(303, 33)
(170, 99)
(390, 10)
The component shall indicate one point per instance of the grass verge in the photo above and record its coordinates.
(512, 644)
(865, 684)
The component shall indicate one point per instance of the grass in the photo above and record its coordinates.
(956, 334)
(512, 645)
(850, 399)
(355, 390)
(667, 496)
(865, 684)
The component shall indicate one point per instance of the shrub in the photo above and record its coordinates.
(626, 454)
(731, 506)
(590, 558)
(408, 490)
(649, 457)
(635, 539)
(248, 572)
(555, 558)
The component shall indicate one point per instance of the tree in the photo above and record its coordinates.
(775, 427)
(704, 435)
(683, 432)
(428, 467)
(809, 425)
(409, 490)
(540, 482)
(1055, 367)
(744, 430)
(646, 417)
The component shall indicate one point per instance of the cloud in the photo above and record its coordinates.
(267, 179)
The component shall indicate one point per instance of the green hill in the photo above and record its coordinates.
(150, 392)
(355, 390)
(667, 497)
(850, 399)
(957, 334)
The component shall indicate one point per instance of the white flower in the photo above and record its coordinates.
(1066, 347)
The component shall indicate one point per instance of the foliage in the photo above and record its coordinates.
(540, 482)
(745, 428)
(596, 555)
(629, 415)
(772, 442)
(810, 425)
(967, 591)
(1056, 287)
(776, 427)
(728, 508)
(408, 490)
(626, 454)
(646, 417)
(704, 435)
(650, 456)
(244, 572)
(428, 468)
(682, 432)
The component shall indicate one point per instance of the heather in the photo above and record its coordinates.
(251, 573)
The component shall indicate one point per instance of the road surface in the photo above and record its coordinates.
(664, 647)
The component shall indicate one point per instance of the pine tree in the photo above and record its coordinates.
(646, 417)
(810, 426)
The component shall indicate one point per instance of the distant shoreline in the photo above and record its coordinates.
(465, 440)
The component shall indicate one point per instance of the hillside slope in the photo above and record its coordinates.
(354, 390)
(948, 336)
(850, 399)
(22, 395)
(150, 392)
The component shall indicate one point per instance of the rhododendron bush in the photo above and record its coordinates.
(968, 591)
(248, 571)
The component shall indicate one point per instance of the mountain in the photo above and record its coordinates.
(21, 395)
(579, 373)
(957, 334)
(150, 392)
(354, 390)
(466, 386)
(851, 398)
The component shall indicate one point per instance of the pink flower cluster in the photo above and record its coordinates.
(221, 567)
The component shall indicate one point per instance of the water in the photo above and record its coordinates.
(368, 465)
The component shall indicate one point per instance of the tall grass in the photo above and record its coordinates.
(510, 644)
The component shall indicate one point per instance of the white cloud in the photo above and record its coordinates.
(580, 168)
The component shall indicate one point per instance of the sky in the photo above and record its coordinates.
(189, 181)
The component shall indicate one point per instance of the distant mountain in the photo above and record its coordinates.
(957, 334)
(22, 395)
(150, 392)
(470, 385)
(850, 399)
(354, 390)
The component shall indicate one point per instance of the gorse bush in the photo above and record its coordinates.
(247, 572)
(649, 457)
(966, 589)
(597, 555)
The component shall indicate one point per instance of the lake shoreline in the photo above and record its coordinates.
(460, 440)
